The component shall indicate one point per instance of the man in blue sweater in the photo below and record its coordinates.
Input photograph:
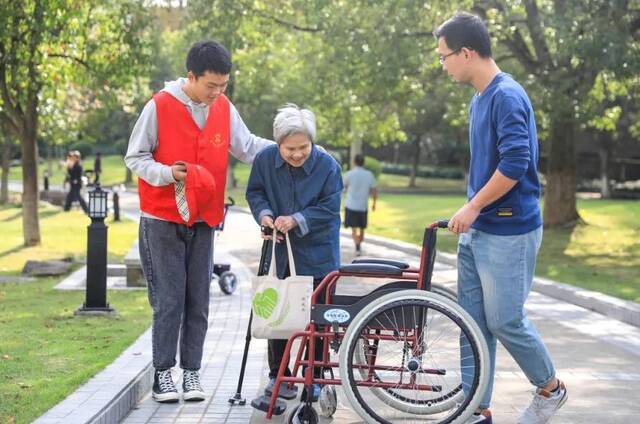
(500, 226)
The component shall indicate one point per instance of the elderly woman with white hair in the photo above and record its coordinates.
(296, 188)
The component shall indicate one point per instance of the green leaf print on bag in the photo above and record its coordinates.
(265, 302)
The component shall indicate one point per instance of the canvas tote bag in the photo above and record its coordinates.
(280, 307)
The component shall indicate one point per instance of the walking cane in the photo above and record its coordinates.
(261, 271)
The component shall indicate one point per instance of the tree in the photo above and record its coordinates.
(45, 44)
(563, 45)
(6, 144)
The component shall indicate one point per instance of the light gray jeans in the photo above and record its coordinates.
(495, 275)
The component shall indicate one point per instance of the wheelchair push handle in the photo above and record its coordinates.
(443, 223)
(232, 202)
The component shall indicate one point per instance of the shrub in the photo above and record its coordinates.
(373, 165)
(424, 171)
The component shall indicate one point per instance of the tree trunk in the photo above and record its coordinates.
(605, 192)
(30, 222)
(396, 153)
(355, 149)
(415, 162)
(604, 151)
(6, 162)
(50, 159)
(560, 192)
(464, 157)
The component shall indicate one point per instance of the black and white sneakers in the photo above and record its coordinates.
(191, 387)
(164, 390)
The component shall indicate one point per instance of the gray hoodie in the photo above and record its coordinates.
(144, 138)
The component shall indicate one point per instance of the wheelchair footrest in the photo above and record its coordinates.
(262, 403)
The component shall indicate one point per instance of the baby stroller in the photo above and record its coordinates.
(227, 280)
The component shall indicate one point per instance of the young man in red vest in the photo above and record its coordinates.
(178, 148)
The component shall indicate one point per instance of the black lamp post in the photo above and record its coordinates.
(96, 300)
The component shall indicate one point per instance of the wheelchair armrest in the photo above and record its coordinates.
(391, 262)
(373, 269)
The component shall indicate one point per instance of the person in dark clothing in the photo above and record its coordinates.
(74, 176)
(97, 168)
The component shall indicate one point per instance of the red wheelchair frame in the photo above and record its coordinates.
(332, 332)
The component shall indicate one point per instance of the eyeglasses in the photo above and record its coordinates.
(442, 58)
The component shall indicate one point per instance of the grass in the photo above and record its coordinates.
(46, 352)
(601, 254)
(113, 171)
(64, 235)
(431, 185)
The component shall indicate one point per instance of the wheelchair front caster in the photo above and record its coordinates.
(302, 414)
(328, 401)
(228, 282)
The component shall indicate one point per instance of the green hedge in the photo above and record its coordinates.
(373, 165)
(423, 171)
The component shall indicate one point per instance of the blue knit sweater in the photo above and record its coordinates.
(502, 135)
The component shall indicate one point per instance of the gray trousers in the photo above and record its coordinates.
(177, 263)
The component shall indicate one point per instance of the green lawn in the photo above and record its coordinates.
(113, 171)
(64, 235)
(46, 352)
(601, 254)
(432, 185)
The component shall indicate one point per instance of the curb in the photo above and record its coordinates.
(111, 394)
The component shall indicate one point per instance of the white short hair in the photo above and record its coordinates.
(293, 120)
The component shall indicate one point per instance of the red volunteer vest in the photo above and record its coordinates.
(180, 139)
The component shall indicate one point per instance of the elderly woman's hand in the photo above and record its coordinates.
(267, 222)
(285, 223)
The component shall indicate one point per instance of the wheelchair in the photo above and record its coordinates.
(402, 350)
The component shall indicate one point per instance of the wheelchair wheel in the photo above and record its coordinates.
(437, 404)
(444, 291)
(302, 414)
(405, 354)
(228, 282)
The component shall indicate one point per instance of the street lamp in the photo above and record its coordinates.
(96, 300)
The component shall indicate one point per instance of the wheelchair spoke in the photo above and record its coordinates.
(408, 361)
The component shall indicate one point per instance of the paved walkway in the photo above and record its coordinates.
(595, 355)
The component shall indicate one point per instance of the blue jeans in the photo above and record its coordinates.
(177, 264)
(495, 275)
